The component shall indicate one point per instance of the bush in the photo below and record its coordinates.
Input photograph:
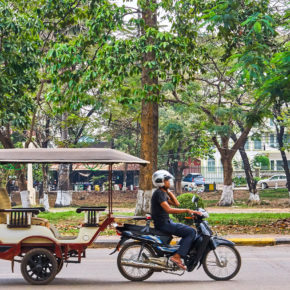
(239, 180)
(263, 161)
(185, 202)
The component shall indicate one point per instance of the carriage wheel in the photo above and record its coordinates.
(39, 267)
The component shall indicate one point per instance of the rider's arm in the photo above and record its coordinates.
(171, 210)
(172, 199)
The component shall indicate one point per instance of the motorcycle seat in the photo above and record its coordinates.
(143, 230)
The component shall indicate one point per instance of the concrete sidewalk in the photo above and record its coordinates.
(240, 240)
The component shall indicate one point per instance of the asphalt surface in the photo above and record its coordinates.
(262, 268)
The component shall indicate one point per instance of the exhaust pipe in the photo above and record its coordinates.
(145, 265)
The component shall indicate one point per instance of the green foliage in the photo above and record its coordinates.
(20, 46)
(239, 180)
(262, 160)
(181, 136)
(37, 172)
(185, 201)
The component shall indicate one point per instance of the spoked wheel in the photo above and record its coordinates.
(39, 267)
(228, 266)
(132, 252)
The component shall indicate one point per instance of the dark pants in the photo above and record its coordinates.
(187, 233)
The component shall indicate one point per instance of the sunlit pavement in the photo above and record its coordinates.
(262, 268)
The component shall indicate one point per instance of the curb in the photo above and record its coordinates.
(254, 241)
(238, 241)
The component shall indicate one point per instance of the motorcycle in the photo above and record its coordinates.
(150, 251)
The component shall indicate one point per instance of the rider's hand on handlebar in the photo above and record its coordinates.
(192, 212)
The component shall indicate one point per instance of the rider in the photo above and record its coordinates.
(161, 200)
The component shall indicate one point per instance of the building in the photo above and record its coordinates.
(265, 144)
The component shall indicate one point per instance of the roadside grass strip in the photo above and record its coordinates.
(246, 219)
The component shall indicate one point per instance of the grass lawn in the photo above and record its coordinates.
(69, 222)
(250, 219)
(272, 193)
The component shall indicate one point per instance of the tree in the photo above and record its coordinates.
(277, 88)
(74, 33)
(182, 138)
(19, 63)
(245, 33)
(282, 116)
(149, 53)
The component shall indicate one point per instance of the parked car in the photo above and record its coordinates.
(198, 179)
(191, 180)
(280, 180)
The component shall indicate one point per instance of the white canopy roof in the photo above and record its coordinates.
(67, 155)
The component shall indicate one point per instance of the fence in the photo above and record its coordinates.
(215, 174)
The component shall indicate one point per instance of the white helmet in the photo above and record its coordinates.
(159, 176)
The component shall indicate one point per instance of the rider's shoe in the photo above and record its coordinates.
(178, 263)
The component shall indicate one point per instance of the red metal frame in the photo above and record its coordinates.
(61, 250)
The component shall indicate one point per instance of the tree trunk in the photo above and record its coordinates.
(7, 143)
(45, 187)
(254, 197)
(125, 177)
(177, 172)
(280, 136)
(149, 122)
(64, 194)
(280, 130)
(178, 179)
(149, 142)
(22, 184)
(227, 198)
(252, 183)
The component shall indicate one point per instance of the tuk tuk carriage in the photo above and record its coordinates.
(31, 241)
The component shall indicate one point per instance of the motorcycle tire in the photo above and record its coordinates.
(236, 269)
(129, 274)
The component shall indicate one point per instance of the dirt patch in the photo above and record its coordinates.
(94, 198)
(128, 199)
(241, 198)
(280, 227)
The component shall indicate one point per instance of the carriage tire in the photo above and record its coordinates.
(30, 260)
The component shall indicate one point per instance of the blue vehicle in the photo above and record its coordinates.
(150, 251)
(198, 179)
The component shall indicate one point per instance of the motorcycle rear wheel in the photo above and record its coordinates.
(231, 263)
(131, 252)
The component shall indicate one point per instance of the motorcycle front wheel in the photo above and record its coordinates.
(132, 252)
(226, 267)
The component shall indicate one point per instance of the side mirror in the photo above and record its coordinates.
(195, 199)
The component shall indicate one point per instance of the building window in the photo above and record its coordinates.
(279, 165)
(272, 165)
(211, 164)
(257, 144)
(272, 141)
(247, 145)
(286, 139)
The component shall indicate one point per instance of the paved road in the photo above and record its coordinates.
(262, 268)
